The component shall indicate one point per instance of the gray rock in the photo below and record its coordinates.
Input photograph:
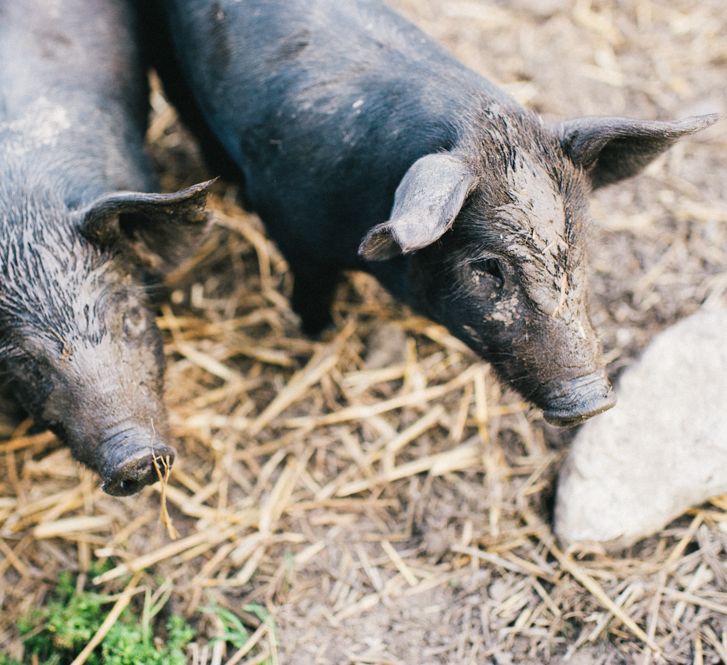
(661, 450)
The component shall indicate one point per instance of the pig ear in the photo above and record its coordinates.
(426, 203)
(612, 149)
(161, 229)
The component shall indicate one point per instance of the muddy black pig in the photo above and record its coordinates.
(79, 348)
(364, 145)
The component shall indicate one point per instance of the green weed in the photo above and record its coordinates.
(57, 632)
(235, 632)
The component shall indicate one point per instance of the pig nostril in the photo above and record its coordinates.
(127, 487)
(135, 473)
(580, 399)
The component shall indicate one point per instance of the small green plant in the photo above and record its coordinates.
(7, 660)
(57, 632)
(263, 616)
(235, 632)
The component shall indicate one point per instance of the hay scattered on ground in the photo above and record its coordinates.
(378, 491)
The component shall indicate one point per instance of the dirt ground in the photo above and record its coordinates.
(378, 491)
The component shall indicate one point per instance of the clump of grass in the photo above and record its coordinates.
(7, 660)
(57, 632)
(238, 634)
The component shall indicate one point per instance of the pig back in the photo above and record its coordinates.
(73, 93)
(323, 105)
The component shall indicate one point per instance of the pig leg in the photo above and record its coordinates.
(313, 289)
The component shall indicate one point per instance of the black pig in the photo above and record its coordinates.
(79, 348)
(332, 111)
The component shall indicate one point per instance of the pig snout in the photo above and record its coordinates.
(127, 460)
(575, 400)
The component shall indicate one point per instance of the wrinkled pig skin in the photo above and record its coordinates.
(80, 232)
(364, 145)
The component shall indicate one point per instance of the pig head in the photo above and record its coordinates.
(79, 347)
(492, 234)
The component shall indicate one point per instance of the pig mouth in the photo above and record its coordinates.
(579, 399)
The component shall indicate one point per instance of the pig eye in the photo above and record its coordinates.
(488, 270)
(134, 322)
